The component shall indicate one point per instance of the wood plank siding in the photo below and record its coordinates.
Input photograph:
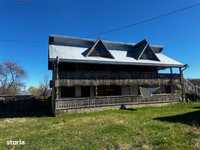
(109, 78)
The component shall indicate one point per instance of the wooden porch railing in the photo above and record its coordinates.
(91, 102)
(190, 88)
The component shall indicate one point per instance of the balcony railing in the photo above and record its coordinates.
(116, 75)
(101, 101)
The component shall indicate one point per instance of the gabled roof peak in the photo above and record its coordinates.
(142, 50)
(98, 49)
(137, 49)
(148, 53)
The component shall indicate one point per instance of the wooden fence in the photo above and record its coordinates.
(7, 98)
(24, 106)
(90, 102)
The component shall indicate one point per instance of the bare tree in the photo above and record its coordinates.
(11, 76)
(34, 91)
(44, 86)
(43, 89)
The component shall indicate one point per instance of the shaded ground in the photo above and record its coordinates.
(190, 118)
(163, 128)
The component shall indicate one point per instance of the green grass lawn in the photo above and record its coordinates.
(172, 127)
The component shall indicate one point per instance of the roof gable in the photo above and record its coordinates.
(148, 53)
(98, 49)
(137, 49)
(142, 50)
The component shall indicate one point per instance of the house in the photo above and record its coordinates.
(92, 73)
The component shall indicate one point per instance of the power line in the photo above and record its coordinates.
(146, 20)
(122, 27)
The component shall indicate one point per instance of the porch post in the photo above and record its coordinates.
(53, 97)
(57, 78)
(54, 88)
(96, 90)
(171, 80)
(182, 84)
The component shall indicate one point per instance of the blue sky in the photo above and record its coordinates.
(26, 24)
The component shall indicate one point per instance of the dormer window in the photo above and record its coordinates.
(98, 50)
(142, 50)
